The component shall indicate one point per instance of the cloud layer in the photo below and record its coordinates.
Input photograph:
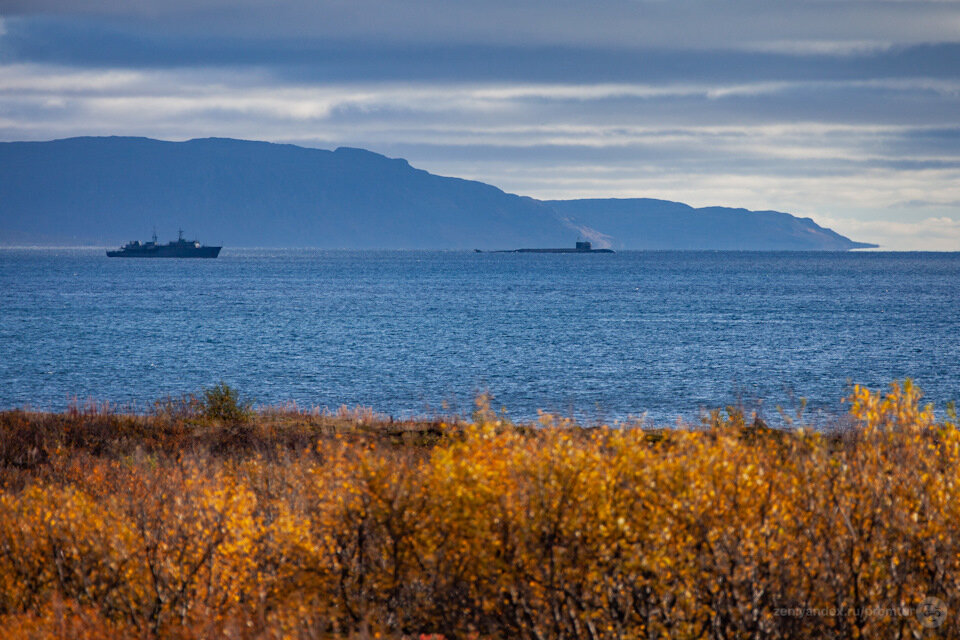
(795, 25)
(845, 111)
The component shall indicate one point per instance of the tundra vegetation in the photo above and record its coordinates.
(207, 519)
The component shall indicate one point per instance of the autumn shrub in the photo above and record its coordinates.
(222, 402)
(489, 530)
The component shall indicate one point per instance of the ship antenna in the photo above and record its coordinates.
(154, 234)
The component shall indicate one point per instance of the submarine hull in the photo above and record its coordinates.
(547, 251)
(583, 246)
(561, 251)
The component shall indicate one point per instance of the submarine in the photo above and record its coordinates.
(582, 246)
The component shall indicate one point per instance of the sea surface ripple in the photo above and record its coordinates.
(601, 337)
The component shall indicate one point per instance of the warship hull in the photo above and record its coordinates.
(167, 252)
(179, 249)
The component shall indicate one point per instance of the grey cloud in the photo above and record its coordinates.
(788, 131)
(821, 108)
(90, 43)
(681, 24)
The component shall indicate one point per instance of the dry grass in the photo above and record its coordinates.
(188, 523)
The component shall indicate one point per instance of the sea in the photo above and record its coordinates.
(655, 336)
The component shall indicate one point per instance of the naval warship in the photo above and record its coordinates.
(179, 249)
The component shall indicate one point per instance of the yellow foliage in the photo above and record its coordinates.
(498, 531)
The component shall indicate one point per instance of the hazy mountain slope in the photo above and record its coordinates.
(642, 223)
(241, 193)
(106, 190)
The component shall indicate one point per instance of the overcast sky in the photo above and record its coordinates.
(844, 111)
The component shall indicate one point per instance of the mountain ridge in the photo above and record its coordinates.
(104, 190)
(639, 223)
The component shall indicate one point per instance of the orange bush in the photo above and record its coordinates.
(489, 530)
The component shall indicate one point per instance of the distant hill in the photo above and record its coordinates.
(106, 190)
(242, 193)
(643, 223)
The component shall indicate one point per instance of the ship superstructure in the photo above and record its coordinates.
(179, 248)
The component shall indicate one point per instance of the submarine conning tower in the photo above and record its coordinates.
(583, 245)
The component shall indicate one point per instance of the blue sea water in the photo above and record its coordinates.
(601, 337)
